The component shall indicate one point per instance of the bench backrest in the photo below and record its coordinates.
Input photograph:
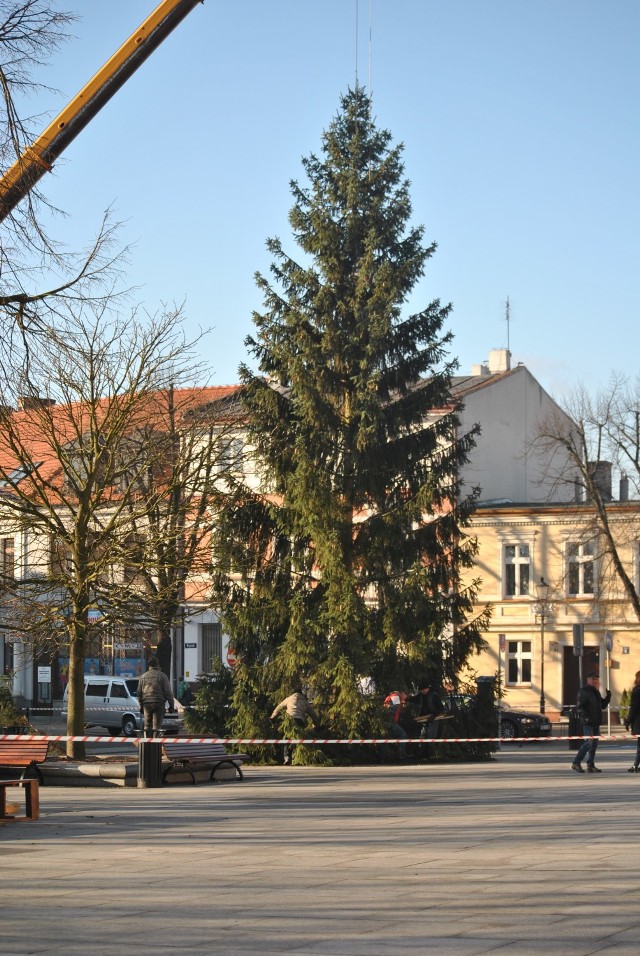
(20, 753)
(193, 751)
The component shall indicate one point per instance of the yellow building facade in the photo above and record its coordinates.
(544, 568)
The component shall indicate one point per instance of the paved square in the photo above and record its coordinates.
(516, 856)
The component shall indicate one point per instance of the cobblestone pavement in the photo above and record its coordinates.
(515, 856)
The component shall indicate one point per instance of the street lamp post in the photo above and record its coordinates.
(541, 608)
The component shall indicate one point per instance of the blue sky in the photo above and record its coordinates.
(520, 125)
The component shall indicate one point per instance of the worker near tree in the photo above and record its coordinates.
(298, 709)
(154, 692)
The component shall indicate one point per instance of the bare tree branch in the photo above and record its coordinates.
(597, 441)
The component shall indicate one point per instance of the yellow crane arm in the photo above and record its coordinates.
(39, 158)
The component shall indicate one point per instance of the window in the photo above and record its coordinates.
(134, 559)
(580, 568)
(118, 690)
(211, 643)
(517, 564)
(230, 453)
(7, 561)
(8, 656)
(518, 662)
(61, 564)
(97, 689)
(12, 478)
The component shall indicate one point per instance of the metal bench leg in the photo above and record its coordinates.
(179, 766)
(226, 763)
(36, 769)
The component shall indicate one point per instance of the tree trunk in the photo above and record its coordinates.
(75, 711)
(163, 651)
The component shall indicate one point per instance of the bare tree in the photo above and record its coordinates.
(39, 277)
(597, 440)
(69, 481)
(185, 457)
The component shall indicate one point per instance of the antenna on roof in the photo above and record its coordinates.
(507, 316)
(370, 49)
(370, 44)
(357, 29)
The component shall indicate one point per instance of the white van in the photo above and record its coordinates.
(111, 702)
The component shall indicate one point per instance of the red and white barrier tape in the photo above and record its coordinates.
(63, 710)
(61, 738)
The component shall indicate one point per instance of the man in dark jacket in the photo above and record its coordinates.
(154, 691)
(590, 706)
(633, 721)
(428, 706)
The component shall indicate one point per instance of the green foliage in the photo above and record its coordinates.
(350, 567)
(210, 712)
(10, 715)
(623, 708)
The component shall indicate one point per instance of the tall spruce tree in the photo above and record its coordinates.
(346, 564)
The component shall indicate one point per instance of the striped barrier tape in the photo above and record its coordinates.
(123, 709)
(84, 738)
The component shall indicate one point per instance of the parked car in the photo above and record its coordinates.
(522, 723)
(111, 702)
(513, 721)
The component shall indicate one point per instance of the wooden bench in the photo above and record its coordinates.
(188, 755)
(31, 799)
(23, 755)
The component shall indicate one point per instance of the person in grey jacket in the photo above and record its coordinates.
(632, 722)
(154, 691)
(298, 709)
(590, 706)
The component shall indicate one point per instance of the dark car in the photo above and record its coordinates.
(522, 723)
(513, 721)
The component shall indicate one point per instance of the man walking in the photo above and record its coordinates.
(154, 691)
(590, 707)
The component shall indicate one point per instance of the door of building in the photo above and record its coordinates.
(571, 671)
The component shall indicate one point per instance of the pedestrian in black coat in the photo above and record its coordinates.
(590, 707)
(633, 720)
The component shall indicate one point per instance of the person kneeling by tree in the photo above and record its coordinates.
(298, 709)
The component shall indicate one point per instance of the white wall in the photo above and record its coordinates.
(505, 463)
(192, 654)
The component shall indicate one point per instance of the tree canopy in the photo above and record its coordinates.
(341, 571)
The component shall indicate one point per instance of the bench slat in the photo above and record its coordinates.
(14, 753)
(193, 753)
(24, 755)
(198, 751)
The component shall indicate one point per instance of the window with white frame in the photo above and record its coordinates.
(580, 569)
(230, 453)
(517, 569)
(518, 662)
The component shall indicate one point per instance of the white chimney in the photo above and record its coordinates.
(499, 360)
(480, 370)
